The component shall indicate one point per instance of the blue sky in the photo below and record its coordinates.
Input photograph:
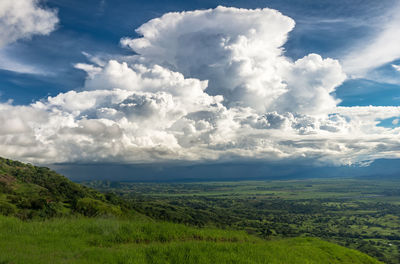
(81, 85)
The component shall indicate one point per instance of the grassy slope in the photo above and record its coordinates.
(28, 191)
(99, 240)
(31, 192)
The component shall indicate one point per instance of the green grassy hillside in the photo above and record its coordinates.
(97, 240)
(28, 191)
(46, 218)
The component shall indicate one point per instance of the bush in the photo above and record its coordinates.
(7, 208)
(91, 207)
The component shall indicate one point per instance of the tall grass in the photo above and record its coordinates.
(99, 240)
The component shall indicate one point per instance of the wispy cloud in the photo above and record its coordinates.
(381, 48)
(10, 63)
(101, 8)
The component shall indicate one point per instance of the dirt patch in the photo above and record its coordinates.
(8, 180)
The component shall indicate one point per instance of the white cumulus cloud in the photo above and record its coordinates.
(24, 18)
(207, 85)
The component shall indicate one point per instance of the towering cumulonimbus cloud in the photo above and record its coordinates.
(205, 85)
(240, 53)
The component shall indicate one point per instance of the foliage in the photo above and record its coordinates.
(28, 191)
(91, 207)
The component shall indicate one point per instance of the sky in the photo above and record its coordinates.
(200, 82)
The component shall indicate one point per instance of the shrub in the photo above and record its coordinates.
(91, 207)
(7, 208)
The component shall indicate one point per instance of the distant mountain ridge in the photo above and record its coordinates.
(230, 171)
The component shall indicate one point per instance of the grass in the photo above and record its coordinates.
(110, 240)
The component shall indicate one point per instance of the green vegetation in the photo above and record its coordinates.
(362, 214)
(45, 218)
(99, 240)
(27, 191)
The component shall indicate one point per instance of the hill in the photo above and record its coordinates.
(28, 191)
(97, 240)
(70, 223)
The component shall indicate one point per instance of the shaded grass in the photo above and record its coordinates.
(101, 240)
